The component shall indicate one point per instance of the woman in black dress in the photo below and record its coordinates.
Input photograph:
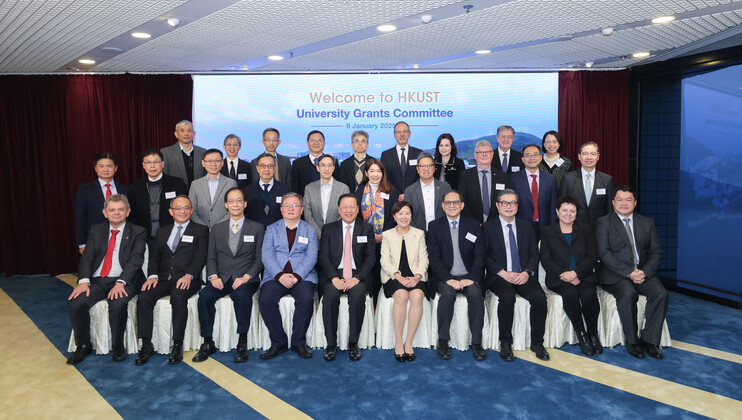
(447, 166)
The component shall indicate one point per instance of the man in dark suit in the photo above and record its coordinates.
(457, 266)
(480, 185)
(346, 256)
(426, 196)
(351, 169)
(593, 188)
(110, 268)
(176, 259)
(150, 196)
(282, 172)
(536, 191)
(630, 252)
(506, 159)
(90, 197)
(264, 196)
(304, 169)
(400, 160)
(233, 266)
(234, 167)
(183, 159)
(511, 254)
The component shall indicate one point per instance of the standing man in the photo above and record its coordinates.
(206, 192)
(480, 185)
(457, 266)
(282, 172)
(289, 255)
(630, 252)
(347, 253)
(351, 170)
(511, 254)
(234, 167)
(264, 196)
(536, 191)
(592, 187)
(401, 159)
(233, 267)
(110, 268)
(510, 161)
(320, 196)
(90, 197)
(304, 169)
(176, 259)
(183, 157)
(426, 196)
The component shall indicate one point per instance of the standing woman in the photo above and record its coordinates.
(447, 166)
(569, 253)
(553, 162)
(404, 268)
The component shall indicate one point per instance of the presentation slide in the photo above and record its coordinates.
(711, 182)
(469, 106)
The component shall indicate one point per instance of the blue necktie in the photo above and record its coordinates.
(505, 162)
(513, 250)
(176, 241)
(485, 195)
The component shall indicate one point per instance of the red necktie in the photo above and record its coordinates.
(347, 254)
(108, 190)
(534, 196)
(109, 254)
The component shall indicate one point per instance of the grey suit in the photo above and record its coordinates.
(205, 211)
(283, 170)
(313, 203)
(414, 194)
(174, 165)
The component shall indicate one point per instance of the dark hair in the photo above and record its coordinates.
(453, 191)
(210, 151)
(325, 155)
(226, 194)
(182, 196)
(507, 191)
(558, 138)
(529, 145)
(399, 205)
(265, 154)
(454, 151)
(590, 143)
(424, 155)
(315, 132)
(624, 188)
(384, 183)
(568, 199)
(401, 122)
(105, 155)
(269, 129)
(347, 195)
(151, 151)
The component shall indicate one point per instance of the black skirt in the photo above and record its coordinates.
(392, 285)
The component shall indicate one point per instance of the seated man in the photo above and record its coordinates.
(457, 265)
(232, 267)
(512, 260)
(289, 255)
(176, 258)
(347, 254)
(630, 252)
(265, 194)
(110, 268)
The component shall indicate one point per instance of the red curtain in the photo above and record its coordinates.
(51, 128)
(594, 106)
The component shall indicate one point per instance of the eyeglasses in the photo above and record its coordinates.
(589, 154)
(452, 203)
(291, 206)
(152, 162)
(266, 166)
(531, 155)
(231, 145)
(212, 161)
(508, 203)
(315, 141)
(181, 208)
(360, 141)
(427, 166)
(551, 142)
(402, 132)
(236, 201)
(483, 152)
(624, 200)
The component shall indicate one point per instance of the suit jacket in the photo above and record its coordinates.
(313, 203)
(614, 248)
(515, 160)
(440, 250)
(555, 253)
(189, 257)
(331, 252)
(394, 171)
(388, 203)
(243, 172)
(391, 249)
(131, 252)
(303, 173)
(453, 172)
(283, 170)
(255, 209)
(89, 207)
(546, 197)
(414, 194)
(174, 165)
(347, 172)
(248, 258)
(139, 201)
(471, 195)
(303, 254)
(600, 204)
(206, 212)
(494, 247)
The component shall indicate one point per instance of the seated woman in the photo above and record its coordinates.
(448, 167)
(553, 162)
(404, 267)
(569, 254)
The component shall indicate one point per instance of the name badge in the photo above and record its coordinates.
(470, 237)
(413, 162)
(600, 191)
(170, 194)
(515, 168)
(499, 186)
(187, 238)
(560, 161)
(362, 239)
(241, 176)
(303, 240)
(385, 196)
(278, 200)
(248, 238)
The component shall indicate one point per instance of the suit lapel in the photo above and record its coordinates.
(125, 243)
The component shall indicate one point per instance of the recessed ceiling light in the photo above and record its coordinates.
(173, 21)
(482, 51)
(142, 35)
(640, 54)
(86, 61)
(245, 67)
(112, 50)
(275, 57)
(589, 64)
(415, 66)
(663, 19)
(386, 28)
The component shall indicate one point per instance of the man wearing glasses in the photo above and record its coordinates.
(507, 159)
(304, 169)
(426, 196)
(206, 192)
(593, 188)
(265, 194)
(321, 195)
(400, 160)
(271, 141)
(234, 167)
(351, 170)
(536, 191)
(480, 185)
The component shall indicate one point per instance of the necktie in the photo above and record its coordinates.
(176, 241)
(315, 172)
(453, 225)
(108, 260)
(347, 254)
(403, 162)
(631, 240)
(485, 194)
(234, 228)
(108, 190)
(534, 197)
(505, 162)
(265, 187)
(267, 208)
(514, 257)
(588, 188)
(232, 173)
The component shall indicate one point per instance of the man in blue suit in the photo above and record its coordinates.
(289, 255)
(536, 191)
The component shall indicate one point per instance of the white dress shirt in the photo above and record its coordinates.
(506, 236)
(428, 201)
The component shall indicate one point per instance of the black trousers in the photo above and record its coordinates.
(330, 308)
(178, 302)
(626, 294)
(270, 293)
(533, 293)
(578, 302)
(79, 309)
(241, 297)
(473, 294)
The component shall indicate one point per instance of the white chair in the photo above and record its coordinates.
(225, 325)
(162, 326)
(460, 334)
(609, 324)
(521, 323)
(100, 329)
(385, 324)
(368, 329)
(559, 329)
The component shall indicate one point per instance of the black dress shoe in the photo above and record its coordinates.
(400, 357)
(273, 351)
(585, 346)
(443, 351)
(635, 350)
(540, 351)
(80, 353)
(653, 351)
(354, 352)
(145, 353)
(330, 353)
(595, 342)
(207, 349)
(119, 354)
(241, 355)
(506, 352)
(478, 352)
(303, 351)
(176, 354)
(410, 357)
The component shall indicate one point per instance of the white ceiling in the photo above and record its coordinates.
(41, 36)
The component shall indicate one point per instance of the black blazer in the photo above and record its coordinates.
(471, 195)
(243, 168)
(255, 207)
(388, 203)
(555, 253)
(394, 171)
(440, 250)
(600, 204)
(546, 197)
(303, 173)
(331, 252)
(614, 248)
(139, 201)
(494, 247)
(89, 206)
(189, 256)
(131, 252)
(347, 172)
(515, 159)
(283, 170)
(453, 172)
